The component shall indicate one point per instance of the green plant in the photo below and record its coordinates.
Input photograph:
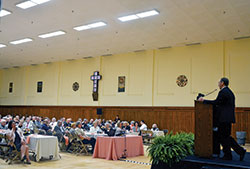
(171, 148)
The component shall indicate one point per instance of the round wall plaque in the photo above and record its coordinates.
(75, 86)
(182, 81)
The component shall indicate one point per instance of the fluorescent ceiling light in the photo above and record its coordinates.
(4, 12)
(81, 28)
(139, 15)
(97, 24)
(52, 34)
(128, 18)
(26, 4)
(40, 1)
(90, 26)
(147, 14)
(2, 45)
(21, 41)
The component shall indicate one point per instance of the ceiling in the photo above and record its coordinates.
(179, 22)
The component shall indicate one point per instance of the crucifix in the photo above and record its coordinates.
(95, 78)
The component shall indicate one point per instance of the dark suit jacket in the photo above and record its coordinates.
(111, 132)
(57, 129)
(225, 105)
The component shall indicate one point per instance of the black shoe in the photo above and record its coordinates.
(228, 158)
(24, 157)
(28, 162)
(242, 155)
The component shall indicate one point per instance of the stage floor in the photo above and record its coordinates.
(235, 163)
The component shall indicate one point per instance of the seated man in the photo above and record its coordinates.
(154, 128)
(73, 136)
(82, 136)
(46, 127)
(3, 125)
(67, 123)
(59, 131)
(28, 126)
(85, 125)
(109, 130)
(95, 128)
(38, 122)
(126, 126)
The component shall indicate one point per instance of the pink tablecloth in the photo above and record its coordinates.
(111, 148)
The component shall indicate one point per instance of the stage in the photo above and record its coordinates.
(202, 163)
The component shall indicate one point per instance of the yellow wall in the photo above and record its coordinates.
(150, 77)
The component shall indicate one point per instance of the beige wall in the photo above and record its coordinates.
(150, 77)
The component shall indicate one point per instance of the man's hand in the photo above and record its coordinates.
(201, 99)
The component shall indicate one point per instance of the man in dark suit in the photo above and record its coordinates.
(59, 131)
(109, 130)
(225, 105)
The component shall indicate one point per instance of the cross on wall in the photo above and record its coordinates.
(95, 78)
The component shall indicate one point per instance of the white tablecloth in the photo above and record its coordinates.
(44, 146)
(94, 135)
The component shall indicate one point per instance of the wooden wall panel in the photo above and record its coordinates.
(174, 119)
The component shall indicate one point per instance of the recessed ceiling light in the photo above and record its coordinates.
(128, 18)
(26, 4)
(21, 41)
(2, 45)
(40, 1)
(147, 14)
(4, 12)
(52, 34)
(90, 26)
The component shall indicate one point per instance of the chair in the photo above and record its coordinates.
(165, 131)
(72, 141)
(82, 148)
(147, 136)
(13, 153)
(4, 147)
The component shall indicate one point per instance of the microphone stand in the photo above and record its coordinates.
(124, 155)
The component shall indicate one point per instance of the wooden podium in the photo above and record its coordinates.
(203, 130)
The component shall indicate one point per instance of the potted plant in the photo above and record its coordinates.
(167, 151)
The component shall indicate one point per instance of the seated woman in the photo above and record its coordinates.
(17, 138)
(135, 127)
(95, 128)
(119, 131)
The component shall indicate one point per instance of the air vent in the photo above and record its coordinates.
(87, 57)
(16, 67)
(167, 47)
(107, 55)
(33, 64)
(70, 60)
(47, 63)
(242, 37)
(136, 51)
(192, 44)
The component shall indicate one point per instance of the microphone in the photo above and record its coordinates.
(211, 92)
(203, 95)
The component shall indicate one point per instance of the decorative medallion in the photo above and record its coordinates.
(75, 86)
(182, 81)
